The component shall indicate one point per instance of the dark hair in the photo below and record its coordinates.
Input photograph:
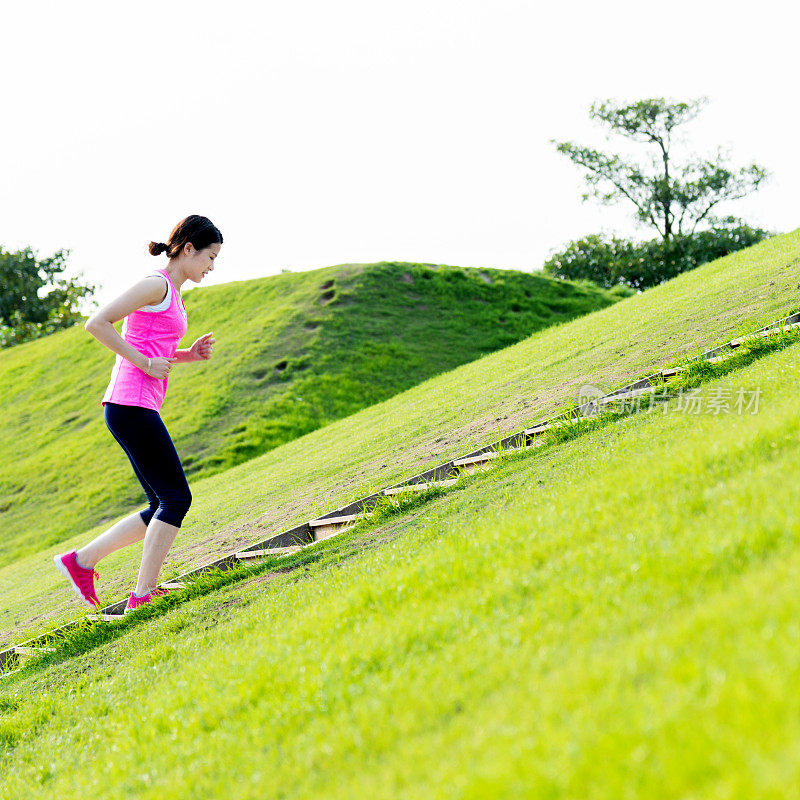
(200, 231)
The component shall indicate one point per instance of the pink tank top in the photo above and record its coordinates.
(153, 331)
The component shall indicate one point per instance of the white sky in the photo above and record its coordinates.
(315, 133)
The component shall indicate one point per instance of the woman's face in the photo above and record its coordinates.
(201, 262)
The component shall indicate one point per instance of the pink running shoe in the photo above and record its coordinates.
(80, 578)
(135, 602)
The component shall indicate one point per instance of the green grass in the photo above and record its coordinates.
(614, 616)
(441, 418)
(294, 352)
(695, 372)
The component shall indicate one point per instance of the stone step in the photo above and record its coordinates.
(27, 650)
(762, 334)
(325, 528)
(477, 466)
(603, 401)
(4, 675)
(482, 461)
(170, 586)
(280, 552)
(537, 429)
(489, 455)
(419, 487)
(328, 532)
(718, 359)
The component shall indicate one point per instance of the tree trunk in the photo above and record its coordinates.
(667, 200)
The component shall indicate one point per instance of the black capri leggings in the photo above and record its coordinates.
(144, 438)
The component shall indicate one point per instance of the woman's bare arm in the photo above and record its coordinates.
(147, 292)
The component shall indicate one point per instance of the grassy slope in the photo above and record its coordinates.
(433, 421)
(61, 471)
(628, 629)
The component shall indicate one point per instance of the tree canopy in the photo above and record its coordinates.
(28, 309)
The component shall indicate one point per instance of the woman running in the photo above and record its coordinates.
(155, 322)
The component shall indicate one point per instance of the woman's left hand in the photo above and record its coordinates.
(202, 348)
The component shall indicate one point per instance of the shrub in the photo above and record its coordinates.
(613, 261)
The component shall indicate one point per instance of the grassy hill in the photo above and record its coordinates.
(429, 423)
(615, 616)
(294, 352)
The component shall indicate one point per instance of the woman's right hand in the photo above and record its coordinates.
(159, 366)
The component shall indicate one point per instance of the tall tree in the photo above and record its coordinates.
(667, 196)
